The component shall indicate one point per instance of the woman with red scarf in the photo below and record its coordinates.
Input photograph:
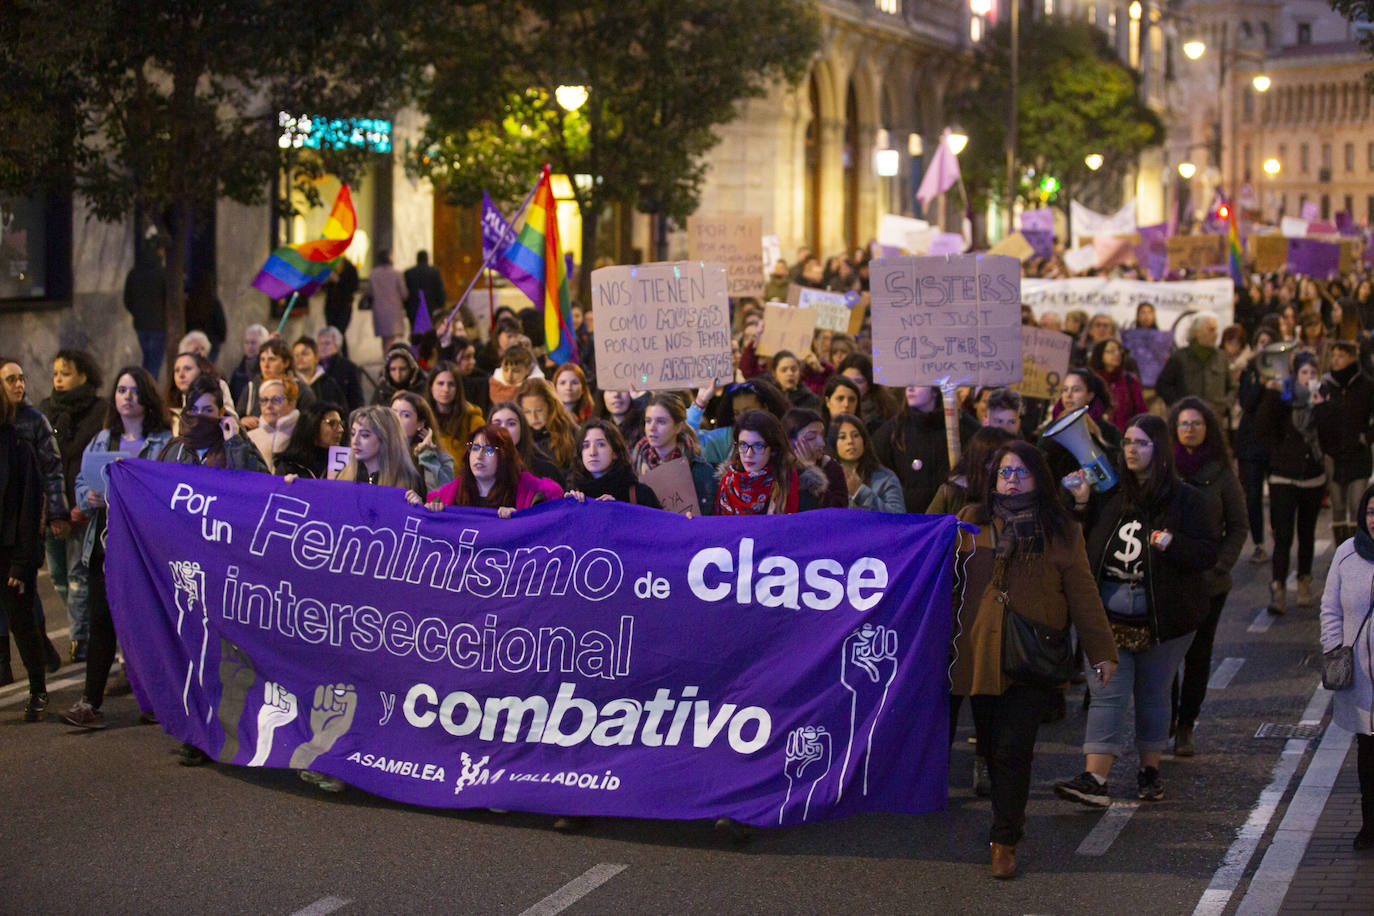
(1108, 362)
(760, 476)
(668, 437)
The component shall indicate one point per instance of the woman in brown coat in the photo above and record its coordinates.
(1028, 555)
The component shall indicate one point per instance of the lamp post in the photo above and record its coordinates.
(1194, 50)
(1272, 167)
(571, 98)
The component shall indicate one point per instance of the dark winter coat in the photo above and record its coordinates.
(916, 436)
(76, 416)
(1219, 483)
(35, 429)
(1345, 421)
(619, 482)
(1198, 371)
(21, 505)
(1250, 444)
(1290, 453)
(345, 374)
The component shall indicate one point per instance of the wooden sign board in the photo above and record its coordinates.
(672, 483)
(1195, 252)
(1270, 252)
(734, 242)
(957, 316)
(786, 328)
(1044, 362)
(662, 326)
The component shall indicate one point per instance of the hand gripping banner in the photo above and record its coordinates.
(597, 659)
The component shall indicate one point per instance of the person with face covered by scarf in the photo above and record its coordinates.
(1028, 555)
(210, 435)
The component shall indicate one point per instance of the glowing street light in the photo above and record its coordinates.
(1187, 170)
(980, 7)
(1261, 83)
(1135, 9)
(571, 98)
(957, 142)
(1271, 167)
(1093, 161)
(1194, 49)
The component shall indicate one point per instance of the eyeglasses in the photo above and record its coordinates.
(486, 451)
(1191, 424)
(276, 399)
(1013, 473)
(753, 448)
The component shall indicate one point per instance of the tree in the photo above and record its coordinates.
(1358, 11)
(1074, 98)
(157, 106)
(661, 75)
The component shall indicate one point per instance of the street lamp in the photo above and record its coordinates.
(1093, 161)
(957, 142)
(1193, 49)
(571, 98)
(1271, 167)
(1261, 83)
(1187, 170)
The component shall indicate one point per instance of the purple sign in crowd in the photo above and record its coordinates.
(579, 659)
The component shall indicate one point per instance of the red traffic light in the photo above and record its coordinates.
(1223, 212)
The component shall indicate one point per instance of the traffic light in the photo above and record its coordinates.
(1223, 211)
(1049, 184)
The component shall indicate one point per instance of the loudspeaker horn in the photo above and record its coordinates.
(1071, 431)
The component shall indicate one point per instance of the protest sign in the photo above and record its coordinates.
(1350, 254)
(786, 328)
(904, 233)
(1310, 211)
(1292, 227)
(832, 309)
(1112, 250)
(772, 253)
(957, 315)
(672, 483)
(558, 661)
(734, 242)
(1041, 242)
(1087, 222)
(946, 243)
(1080, 259)
(1044, 360)
(1150, 348)
(1173, 301)
(1014, 245)
(338, 459)
(1270, 252)
(1152, 253)
(1195, 252)
(1313, 258)
(663, 326)
(1041, 220)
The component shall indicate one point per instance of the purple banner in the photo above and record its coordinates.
(498, 236)
(1152, 254)
(558, 661)
(1041, 220)
(1041, 242)
(1314, 258)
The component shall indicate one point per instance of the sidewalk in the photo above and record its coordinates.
(1334, 878)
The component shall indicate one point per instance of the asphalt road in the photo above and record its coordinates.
(108, 822)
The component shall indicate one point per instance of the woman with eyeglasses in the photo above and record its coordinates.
(274, 363)
(1204, 461)
(418, 423)
(319, 429)
(493, 478)
(604, 470)
(821, 474)
(277, 400)
(1028, 556)
(717, 443)
(667, 437)
(1151, 540)
(533, 458)
(760, 477)
(1346, 621)
(966, 483)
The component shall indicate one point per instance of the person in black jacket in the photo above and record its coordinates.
(21, 553)
(1288, 422)
(77, 412)
(1151, 540)
(1345, 423)
(1252, 451)
(912, 444)
(603, 470)
(1202, 460)
(339, 367)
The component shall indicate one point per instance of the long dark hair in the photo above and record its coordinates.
(454, 423)
(1096, 387)
(302, 447)
(868, 462)
(613, 438)
(508, 470)
(1160, 482)
(155, 415)
(1214, 445)
(974, 465)
(1050, 515)
(769, 395)
(526, 447)
(839, 381)
(780, 458)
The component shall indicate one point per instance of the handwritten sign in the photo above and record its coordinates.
(672, 483)
(1044, 361)
(733, 241)
(904, 233)
(832, 311)
(1150, 349)
(1014, 245)
(957, 315)
(662, 326)
(1195, 252)
(772, 252)
(786, 328)
(338, 460)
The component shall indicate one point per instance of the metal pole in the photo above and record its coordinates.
(1011, 132)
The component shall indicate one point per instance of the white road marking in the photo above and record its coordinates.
(575, 890)
(19, 690)
(1108, 828)
(1262, 621)
(1221, 678)
(322, 906)
(1321, 546)
(1270, 884)
(1228, 876)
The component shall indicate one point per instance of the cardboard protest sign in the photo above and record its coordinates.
(1112, 250)
(338, 459)
(832, 309)
(1292, 227)
(1080, 259)
(1014, 245)
(1044, 361)
(904, 233)
(1041, 220)
(957, 315)
(786, 328)
(1195, 252)
(946, 243)
(662, 326)
(772, 253)
(1041, 242)
(1350, 254)
(1313, 258)
(1270, 252)
(672, 483)
(1150, 349)
(734, 242)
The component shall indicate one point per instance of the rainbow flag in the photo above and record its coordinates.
(536, 251)
(1233, 246)
(303, 268)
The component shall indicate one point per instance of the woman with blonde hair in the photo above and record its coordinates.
(277, 402)
(379, 453)
(553, 428)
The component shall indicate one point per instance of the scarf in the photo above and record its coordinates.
(1021, 535)
(1364, 544)
(617, 482)
(648, 456)
(202, 433)
(743, 493)
(1305, 421)
(1188, 462)
(65, 410)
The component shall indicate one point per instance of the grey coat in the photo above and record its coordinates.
(882, 493)
(1345, 601)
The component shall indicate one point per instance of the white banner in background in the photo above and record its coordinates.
(1119, 298)
(1091, 223)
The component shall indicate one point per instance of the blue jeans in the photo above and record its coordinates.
(1148, 676)
(69, 575)
(154, 347)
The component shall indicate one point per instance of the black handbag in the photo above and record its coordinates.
(1338, 665)
(1033, 653)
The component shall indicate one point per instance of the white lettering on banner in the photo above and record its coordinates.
(428, 772)
(1172, 300)
(616, 722)
(779, 579)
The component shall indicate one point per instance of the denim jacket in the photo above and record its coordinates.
(152, 447)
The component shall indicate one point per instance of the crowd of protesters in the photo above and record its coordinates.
(1141, 571)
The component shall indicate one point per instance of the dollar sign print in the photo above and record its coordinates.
(1132, 547)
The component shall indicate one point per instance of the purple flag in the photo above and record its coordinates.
(1311, 211)
(1041, 220)
(942, 173)
(1151, 350)
(423, 322)
(1345, 223)
(1152, 253)
(498, 236)
(557, 661)
(1041, 241)
(1314, 258)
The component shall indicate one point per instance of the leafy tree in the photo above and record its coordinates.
(156, 106)
(1075, 97)
(1359, 11)
(661, 75)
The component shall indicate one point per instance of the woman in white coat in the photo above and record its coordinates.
(1346, 621)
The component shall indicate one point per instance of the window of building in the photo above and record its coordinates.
(1304, 33)
(1304, 166)
(1326, 156)
(889, 6)
(1350, 205)
(1326, 206)
(35, 247)
(1369, 209)
(1350, 157)
(1246, 161)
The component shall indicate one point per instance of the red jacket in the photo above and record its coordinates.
(1127, 397)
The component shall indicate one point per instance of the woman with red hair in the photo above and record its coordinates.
(493, 477)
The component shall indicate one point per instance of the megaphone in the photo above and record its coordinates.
(1071, 431)
(1276, 360)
